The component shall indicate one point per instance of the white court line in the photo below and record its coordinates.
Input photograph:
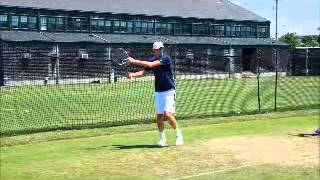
(213, 172)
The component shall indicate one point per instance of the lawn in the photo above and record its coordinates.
(244, 147)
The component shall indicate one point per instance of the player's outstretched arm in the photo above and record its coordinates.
(136, 74)
(145, 64)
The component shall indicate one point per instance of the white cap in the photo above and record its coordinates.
(158, 45)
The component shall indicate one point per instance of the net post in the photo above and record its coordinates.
(57, 69)
(259, 54)
(276, 82)
(229, 62)
(307, 62)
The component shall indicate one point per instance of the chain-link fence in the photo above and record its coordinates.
(55, 86)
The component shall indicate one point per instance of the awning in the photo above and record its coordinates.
(25, 36)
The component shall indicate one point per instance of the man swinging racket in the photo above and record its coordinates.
(160, 65)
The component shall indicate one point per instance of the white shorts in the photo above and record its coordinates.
(165, 101)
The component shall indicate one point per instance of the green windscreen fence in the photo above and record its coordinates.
(48, 86)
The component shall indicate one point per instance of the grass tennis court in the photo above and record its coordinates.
(247, 147)
(41, 108)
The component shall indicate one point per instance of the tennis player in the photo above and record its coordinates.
(161, 67)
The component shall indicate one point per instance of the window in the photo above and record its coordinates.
(137, 26)
(161, 28)
(164, 28)
(60, 24)
(147, 27)
(116, 26)
(43, 23)
(244, 31)
(84, 24)
(248, 31)
(231, 30)
(78, 24)
(26, 22)
(262, 31)
(51, 24)
(23, 21)
(187, 28)
(183, 28)
(238, 30)
(108, 26)
(3, 20)
(100, 25)
(130, 27)
(253, 31)
(178, 29)
(97, 25)
(15, 21)
(200, 28)
(32, 22)
(170, 28)
(123, 26)
(55, 23)
(217, 30)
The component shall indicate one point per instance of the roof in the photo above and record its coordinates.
(25, 36)
(202, 9)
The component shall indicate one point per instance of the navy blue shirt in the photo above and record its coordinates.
(164, 80)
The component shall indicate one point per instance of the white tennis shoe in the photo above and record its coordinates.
(162, 142)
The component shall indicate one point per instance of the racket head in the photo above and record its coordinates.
(119, 57)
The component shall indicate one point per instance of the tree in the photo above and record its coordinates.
(309, 41)
(291, 39)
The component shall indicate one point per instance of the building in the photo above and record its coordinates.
(65, 39)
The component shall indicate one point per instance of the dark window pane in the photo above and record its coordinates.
(170, 28)
(32, 24)
(14, 21)
(43, 23)
(24, 21)
(187, 29)
(60, 23)
(94, 25)
(51, 24)
(262, 31)
(178, 29)
(116, 26)
(77, 24)
(217, 29)
(144, 27)
(108, 26)
(130, 27)
(137, 26)
(123, 26)
(3, 20)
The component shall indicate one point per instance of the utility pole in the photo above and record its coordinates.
(276, 65)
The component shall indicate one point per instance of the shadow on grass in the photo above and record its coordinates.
(305, 134)
(141, 146)
(96, 148)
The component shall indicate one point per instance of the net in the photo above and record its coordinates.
(47, 86)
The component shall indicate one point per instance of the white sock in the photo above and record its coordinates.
(162, 135)
(178, 131)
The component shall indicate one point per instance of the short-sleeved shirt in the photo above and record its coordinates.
(164, 80)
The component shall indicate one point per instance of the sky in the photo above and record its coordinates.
(294, 16)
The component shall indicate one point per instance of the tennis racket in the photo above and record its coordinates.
(120, 57)
(119, 60)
